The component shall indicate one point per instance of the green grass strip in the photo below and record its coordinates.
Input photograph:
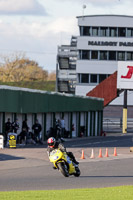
(112, 193)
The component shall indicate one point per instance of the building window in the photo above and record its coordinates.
(120, 55)
(94, 55)
(81, 30)
(130, 32)
(121, 32)
(104, 31)
(102, 77)
(103, 55)
(71, 84)
(108, 75)
(80, 54)
(93, 78)
(84, 78)
(94, 31)
(85, 54)
(112, 55)
(112, 32)
(129, 55)
(86, 30)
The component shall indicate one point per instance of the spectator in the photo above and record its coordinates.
(15, 126)
(51, 133)
(24, 132)
(8, 128)
(62, 122)
(57, 129)
(37, 129)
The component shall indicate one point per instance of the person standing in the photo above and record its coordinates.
(8, 129)
(25, 126)
(37, 129)
(15, 126)
(62, 123)
(57, 129)
(23, 135)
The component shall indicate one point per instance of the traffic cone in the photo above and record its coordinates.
(82, 156)
(115, 153)
(100, 153)
(106, 154)
(92, 154)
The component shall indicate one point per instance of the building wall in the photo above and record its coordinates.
(107, 20)
(47, 107)
(88, 66)
(34, 101)
(108, 67)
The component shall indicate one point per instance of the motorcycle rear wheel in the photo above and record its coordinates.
(63, 169)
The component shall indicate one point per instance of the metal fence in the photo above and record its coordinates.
(115, 124)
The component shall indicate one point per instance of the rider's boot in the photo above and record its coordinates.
(75, 161)
(70, 154)
(54, 167)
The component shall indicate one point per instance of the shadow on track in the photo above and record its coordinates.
(105, 177)
(4, 157)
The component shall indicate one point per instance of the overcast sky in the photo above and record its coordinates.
(37, 27)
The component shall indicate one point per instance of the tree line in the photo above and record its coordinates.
(19, 68)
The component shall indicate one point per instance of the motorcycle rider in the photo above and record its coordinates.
(53, 144)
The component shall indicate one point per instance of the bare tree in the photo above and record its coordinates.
(19, 68)
(52, 76)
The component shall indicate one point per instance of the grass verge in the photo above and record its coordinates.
(112, 193)
(39, 85)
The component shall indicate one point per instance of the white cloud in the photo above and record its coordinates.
(67, 25)
(38, 40)
(43, 34)
(97, 3)
(21, 7)
(39, 29)
(108, 3)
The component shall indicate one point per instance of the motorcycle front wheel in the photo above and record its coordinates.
(77, 172)
(63, 169)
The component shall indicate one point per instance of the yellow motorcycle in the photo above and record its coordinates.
(63, 163)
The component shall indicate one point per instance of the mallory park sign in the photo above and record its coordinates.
(106, 43)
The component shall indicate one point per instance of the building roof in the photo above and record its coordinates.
(23, 100)
(129, 16)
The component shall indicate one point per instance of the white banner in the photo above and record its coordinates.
(125, 75)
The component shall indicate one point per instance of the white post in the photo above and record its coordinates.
(1, 142)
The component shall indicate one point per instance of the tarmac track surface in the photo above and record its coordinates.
(29, 168)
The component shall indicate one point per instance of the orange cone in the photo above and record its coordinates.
(82, 156)
(100, 153)
(106, 154)
(92, 154)
(115, 153)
